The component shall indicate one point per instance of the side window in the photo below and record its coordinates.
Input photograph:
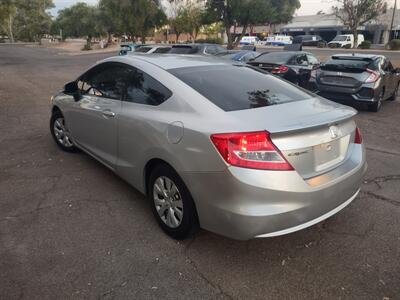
(301, 60)
(144, 89)
(312, 60)
(211, 50)
(106, 80)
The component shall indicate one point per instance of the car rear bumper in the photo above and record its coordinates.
(348, 95)
(243, 203)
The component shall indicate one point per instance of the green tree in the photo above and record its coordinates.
(32, 19)
(79, 20)
(8, 11)
(192, 20)
(247, 13)
(355, 13)
(177, 23)
(107, 17)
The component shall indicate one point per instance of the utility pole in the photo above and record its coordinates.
(391, 24)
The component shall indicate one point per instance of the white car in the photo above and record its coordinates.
(249, 40)
(345, 40)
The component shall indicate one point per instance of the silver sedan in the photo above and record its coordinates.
(214, 144)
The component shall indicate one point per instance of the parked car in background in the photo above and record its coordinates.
(213, 143)
(128, 48)
(249, 40)
(198, 48)
(280, 40)
(307, 40)
(148, 49)
(345, 41)
(243, 55)
(295, 66)
(362, 78)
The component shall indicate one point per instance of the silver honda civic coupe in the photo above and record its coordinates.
(214, 144)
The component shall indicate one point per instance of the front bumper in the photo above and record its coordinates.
(244, 203)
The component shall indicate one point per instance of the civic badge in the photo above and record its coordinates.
(334, 131)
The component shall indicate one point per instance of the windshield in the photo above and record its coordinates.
(234, 88)
(340, 38)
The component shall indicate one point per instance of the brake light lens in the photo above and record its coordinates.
(280, 70)
(253, 150)
(358, 137)
(373, 76)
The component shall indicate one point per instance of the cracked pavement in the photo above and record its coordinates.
(70, 228)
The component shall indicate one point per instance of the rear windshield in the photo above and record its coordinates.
(183, 50)
(239, 87)
(274, 57)
(347, 65)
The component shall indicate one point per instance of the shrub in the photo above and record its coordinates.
(333, 45)
(365, 45)
(321, 44)
(394, 44)
(86, 47)
(211, 41)
(347, 46)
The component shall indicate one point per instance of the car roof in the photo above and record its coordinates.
(173, 61)
(356, 56)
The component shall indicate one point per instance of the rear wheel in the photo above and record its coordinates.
(172, 204)
(376, 106)
(60, 132)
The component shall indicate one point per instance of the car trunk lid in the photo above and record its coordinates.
(313, 135)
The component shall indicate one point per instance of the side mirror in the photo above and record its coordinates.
(72, 89)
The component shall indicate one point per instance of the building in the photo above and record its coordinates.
(328, 26)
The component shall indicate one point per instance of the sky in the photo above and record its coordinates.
(308, 7)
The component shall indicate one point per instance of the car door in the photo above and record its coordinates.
(141, 124)
(93, 119)
(386, 73)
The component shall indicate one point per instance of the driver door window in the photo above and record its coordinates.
(105, 81)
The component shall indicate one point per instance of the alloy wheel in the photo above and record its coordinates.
(168, 201)
(61, 133)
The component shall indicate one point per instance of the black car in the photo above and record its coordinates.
(308, 40)
(295, 66)
(362, 78)
(198, 48)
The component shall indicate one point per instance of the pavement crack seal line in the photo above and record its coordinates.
(378, 180)
(383, 151)
(391, 201)
(201, 274)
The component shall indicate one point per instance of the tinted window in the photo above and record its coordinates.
(275, 57)
(162, 50)
(106, 80)
(183, 50)
(346, 65)
(239, 87)
(300, 60)
(144, 89)
(144, 49)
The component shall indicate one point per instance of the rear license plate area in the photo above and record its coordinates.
(327, 154)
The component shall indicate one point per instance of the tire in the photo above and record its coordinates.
(395, 93)
(176, 216)
(60, 132)
(376, 106)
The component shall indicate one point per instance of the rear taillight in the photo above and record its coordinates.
(373, 76)
(253, 150)
(280, 70)
(358, 137)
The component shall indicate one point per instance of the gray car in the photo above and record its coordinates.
(214, 144)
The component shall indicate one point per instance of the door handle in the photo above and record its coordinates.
(108, 113)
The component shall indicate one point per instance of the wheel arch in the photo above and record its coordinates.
(149, 167)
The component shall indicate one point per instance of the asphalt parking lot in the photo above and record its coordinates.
(70, 228)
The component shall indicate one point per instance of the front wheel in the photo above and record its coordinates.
(172, 204)
(60, 132)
